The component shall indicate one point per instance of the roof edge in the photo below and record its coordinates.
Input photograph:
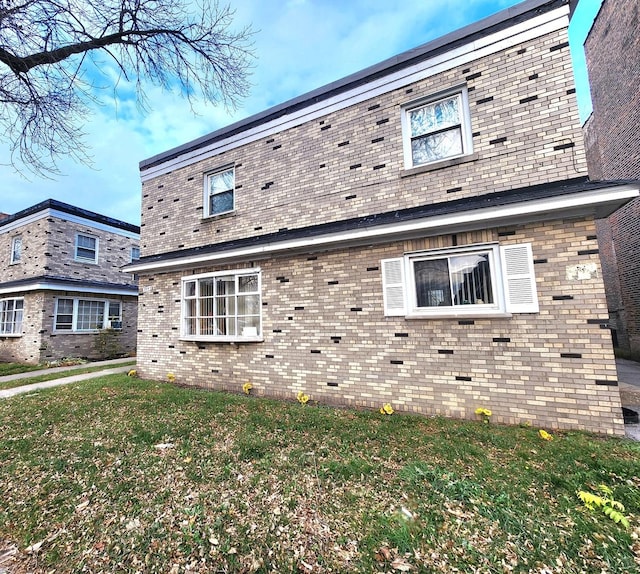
(71, 210)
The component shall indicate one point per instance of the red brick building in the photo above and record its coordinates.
(613, 152)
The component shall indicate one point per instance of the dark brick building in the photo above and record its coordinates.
(613, 152)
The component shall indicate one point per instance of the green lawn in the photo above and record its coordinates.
(124, 475)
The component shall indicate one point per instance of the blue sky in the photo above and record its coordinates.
(300, 45)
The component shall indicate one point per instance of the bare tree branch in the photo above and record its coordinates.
(50, 64)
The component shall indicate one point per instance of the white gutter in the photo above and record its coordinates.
(52, 285)
(574, 205)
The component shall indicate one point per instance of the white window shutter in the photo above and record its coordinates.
(519, 278)
(393, 286)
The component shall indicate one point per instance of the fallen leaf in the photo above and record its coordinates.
(401, 564)
(33, 549)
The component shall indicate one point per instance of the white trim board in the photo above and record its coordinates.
(55, 286)
(533, 28)
(584, 203)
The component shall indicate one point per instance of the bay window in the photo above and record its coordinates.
(222, 306)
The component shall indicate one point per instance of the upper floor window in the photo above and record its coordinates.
(11, 311)
(77, 315)
(223, 306)
(219, 192)
(86, 248)
(436, 129)
(16, 249)
(135, 253)
(469, 281)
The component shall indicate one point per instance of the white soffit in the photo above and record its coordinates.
(528, 30)
(572, 205)
(45, 285)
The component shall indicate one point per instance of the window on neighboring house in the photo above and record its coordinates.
(219, 192)
(16, 249)
(135, 253)
(11, 311)
(437, 129)
(223, 306)
(468, 281)
(86, 248)
(87, 315)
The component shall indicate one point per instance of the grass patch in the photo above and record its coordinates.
(121, 474)
(17, 368)
(59, 375)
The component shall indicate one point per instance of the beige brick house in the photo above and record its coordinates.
(62, 282)
(419, 233)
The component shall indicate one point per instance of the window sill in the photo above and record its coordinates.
(439, 165)
(461, 316)
(219, 216)
(86, 261)
(222, 339)
(10, 335)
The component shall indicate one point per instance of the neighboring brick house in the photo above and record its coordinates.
(62, 282)
(420, 233)
(612, 51)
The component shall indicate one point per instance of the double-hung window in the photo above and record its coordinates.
(478, 280)
(222, 306)
(436, 129)
(16, 249)
(87, 315)
(219, 192)
(86, 248)
(135, 253)
(11, 311)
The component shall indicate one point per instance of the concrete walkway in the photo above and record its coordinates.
(117, 368)
(629, 380)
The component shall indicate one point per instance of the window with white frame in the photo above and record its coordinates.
(16, 249)
(86, 248)
(11, 311)
(222, 306)
(87, 315)
(135, 253)
(467, 281)
(436, 129)
(219, 192)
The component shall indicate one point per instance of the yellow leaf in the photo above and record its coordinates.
(544, 435)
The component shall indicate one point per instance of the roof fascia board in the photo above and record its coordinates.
(571, 205)
(524, 31)
(44, 285)
(49, 212)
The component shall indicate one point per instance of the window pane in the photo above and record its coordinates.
(432, 283)
(221, 202)
(248, 305)
(437, 146)
(248, 284)
(190, 289)
(64, 317)
(471, 279)
(90, 315)
(435, 116)
(219, 182)
(16, 251)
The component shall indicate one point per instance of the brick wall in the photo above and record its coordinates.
(612, 49)
(350, 163)
(325, 334)
(39, 343)
(48, 248)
